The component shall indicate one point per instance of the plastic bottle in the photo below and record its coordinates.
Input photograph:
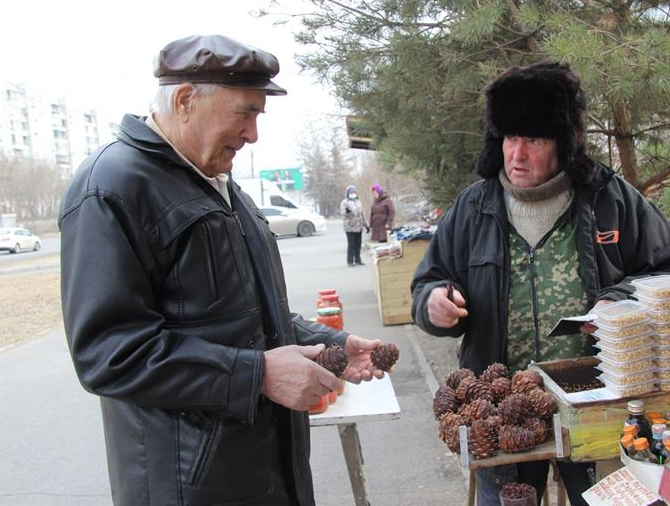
(666, 436)
(665, 454)
(642, 452)
(629, 429)
(636, 417)
(627, 442)
(657, 433)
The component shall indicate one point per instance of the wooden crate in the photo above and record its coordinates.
(594, 427)
(392, 279)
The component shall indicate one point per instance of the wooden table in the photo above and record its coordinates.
(370, 401)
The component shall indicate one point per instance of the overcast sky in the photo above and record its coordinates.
(103, 52)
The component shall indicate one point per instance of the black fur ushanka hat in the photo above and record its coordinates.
(541, 100)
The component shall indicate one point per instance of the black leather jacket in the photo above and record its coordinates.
(170, 296)
(471, 249)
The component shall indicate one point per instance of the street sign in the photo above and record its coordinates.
(286, 179)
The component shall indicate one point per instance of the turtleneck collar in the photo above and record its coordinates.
(560, 183)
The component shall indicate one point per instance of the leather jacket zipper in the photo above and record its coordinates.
(239, 222)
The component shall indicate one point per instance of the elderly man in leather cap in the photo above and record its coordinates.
(547, 233)
(175, 304)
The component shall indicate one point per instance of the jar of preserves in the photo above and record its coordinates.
(331, 316)
(320, 406)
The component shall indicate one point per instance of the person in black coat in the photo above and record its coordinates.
(547, 232)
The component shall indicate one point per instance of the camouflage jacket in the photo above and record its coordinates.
(544, 285)
(620, 234)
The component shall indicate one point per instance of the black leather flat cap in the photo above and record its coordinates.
(217, 59)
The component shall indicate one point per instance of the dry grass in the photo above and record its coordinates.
(31, 302)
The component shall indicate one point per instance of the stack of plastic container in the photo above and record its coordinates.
(625, 340)
(654, 293)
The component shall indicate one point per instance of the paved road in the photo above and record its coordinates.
(50, 246)
(51, 436)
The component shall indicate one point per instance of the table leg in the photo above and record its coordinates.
(351, 446)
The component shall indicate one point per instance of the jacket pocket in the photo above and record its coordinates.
(203, 455)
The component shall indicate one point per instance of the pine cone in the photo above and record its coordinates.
(514, 438)
(334, 359)
(515, 490)
(495, 422)
(495, 371)
(544, 404)
(454, 378)
(515, 409)
(449, 424)
(538, 428)
(444, 401)
(463, 386)
(479, 409)
(525, 381)
(478, 389)
(501, 388)
(481, 440)
(385, 356)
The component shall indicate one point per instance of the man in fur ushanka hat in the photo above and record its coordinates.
(547, 233)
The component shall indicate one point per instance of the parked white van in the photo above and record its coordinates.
(266, 193)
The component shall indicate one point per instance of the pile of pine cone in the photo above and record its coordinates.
(501, 413)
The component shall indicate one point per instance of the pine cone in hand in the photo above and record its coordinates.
(525, 381)
(544, 404)
(479, 409)
(500, 388)
(478, 389)
(494, 371)
(454, 378)
(444, 401)
(515, 409)
(538, 428)
(334, 359)
(385, 356)
(514, 438)
(481, 440)
(463, 387)
(449, 424)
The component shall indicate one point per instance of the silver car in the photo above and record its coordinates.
(15, 240)
(300, 222)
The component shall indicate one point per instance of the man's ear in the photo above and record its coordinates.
(183, 101)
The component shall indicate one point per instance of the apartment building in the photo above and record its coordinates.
(61, 131)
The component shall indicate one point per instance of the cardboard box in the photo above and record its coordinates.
(594, 427)
(392, 280)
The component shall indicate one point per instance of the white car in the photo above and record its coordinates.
(15, 240)
(300, 222)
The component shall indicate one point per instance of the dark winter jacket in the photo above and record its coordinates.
(620, 235)
(170, 296)
(382, 214)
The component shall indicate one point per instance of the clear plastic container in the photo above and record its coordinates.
(622, 313)
(662, 352)
(630, 390)
(664, 385)
(652, 303)
(628, 379)
(659, 316)
(625, 367)
(661, 328)
(624, 354)
(647, 338)
(653, 286)
(617, 332)
(663, 374)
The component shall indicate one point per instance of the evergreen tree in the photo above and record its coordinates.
(416, 70)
